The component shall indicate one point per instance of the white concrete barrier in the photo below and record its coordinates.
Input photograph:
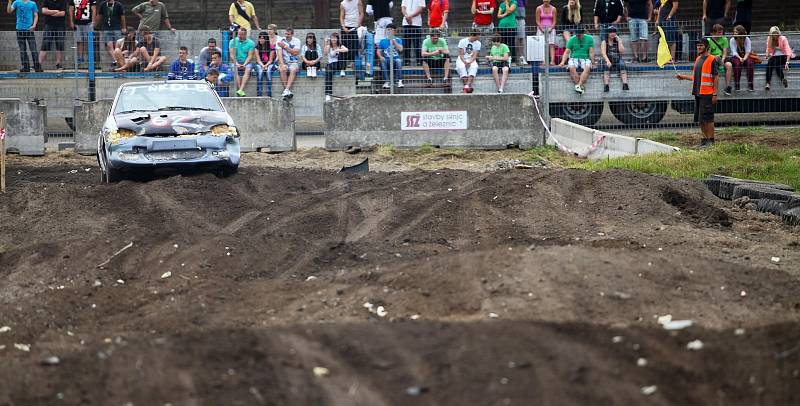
(580, 139)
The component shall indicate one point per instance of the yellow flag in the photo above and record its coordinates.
(663, 56)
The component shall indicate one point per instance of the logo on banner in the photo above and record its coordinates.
(2, 133)
(433, 120)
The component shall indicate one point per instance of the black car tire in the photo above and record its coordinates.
(109, 174)
(639, 112)
(227, 171)
(583, 113)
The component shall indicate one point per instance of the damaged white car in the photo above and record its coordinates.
(175, 124)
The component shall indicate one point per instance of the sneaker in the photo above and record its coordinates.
(785, 82)
(400, 83)
(446, 81)
(241, 93)
(59, 67)
(327, 97)
(25, 69)
(766, 87)
(342, 74)
(500, 90)
(579, 89)
(522, 60)
(750, 88)
(737, 87)
(727, 91)
(470, 90)
(386, 85)
(285, 92)
(429, 83)
(703, 143)
(625, 86)
(605, 88)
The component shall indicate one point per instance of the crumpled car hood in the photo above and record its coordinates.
(166, 123)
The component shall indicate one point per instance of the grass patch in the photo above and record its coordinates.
(736, 130)
(665, 137)
(385, 150)
(426, 148)
(739, 160)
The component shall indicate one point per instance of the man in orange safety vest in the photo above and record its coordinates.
(704, 88)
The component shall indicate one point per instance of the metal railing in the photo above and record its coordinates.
(653, 98)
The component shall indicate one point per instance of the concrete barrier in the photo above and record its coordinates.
(263, 122)
(25, 124)
(408, 121)
(644, 147)
(89, 119)
(580, 139)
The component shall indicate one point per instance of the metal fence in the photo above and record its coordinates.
(92, 68)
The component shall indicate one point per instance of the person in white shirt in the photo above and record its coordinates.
(288, 61)
(469, 50)
(412, 29)
(351, 15)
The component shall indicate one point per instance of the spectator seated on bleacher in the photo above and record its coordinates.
(150, 50)
(499, 56)
(719, 47)
(243, 54)
(469, 51)
(223, 71)
(311, 55)
(265, 63)
(126, 52)
(389, 50)
(612, 51)
(288, 60)
(182, 68)
(580, 53)
(204, 59)
(436, 56)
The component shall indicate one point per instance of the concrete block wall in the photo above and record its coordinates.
(25, 125)
(580, 139)
(367, 120)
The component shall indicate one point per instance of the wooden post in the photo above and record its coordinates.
(3, 153)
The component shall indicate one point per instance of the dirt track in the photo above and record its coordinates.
(499, 288)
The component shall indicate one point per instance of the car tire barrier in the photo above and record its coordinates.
(264, 123)
(772, 198)
(25, 125)
(477, 121)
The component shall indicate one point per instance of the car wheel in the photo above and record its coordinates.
(107, 173)
(227, 171)
(638, 112)
(582, 113)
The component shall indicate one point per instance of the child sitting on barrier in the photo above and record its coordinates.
(498, 58)
(718, 47)
(611, 50)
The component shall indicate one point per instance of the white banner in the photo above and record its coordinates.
(433, 120)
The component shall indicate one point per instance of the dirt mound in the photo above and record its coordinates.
(438, 287)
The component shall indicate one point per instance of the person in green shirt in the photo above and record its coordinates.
(507, 24)
(718, 47)
(436, 55)
(498, 58)
(580, 53)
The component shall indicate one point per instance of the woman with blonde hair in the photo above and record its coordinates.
(570, 18)
(778, 54)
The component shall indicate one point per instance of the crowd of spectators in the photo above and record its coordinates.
(418, 40)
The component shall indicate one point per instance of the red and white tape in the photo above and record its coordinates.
(2, 133)
(596, 144)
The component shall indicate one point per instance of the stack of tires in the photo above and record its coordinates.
(768, 197)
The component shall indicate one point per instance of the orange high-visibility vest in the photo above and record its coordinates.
(703, 83)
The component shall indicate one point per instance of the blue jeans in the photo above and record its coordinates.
(398, 69)
(264, 75)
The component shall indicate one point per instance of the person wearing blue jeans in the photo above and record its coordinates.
(265, 63)
(27, 18)
(389, 50)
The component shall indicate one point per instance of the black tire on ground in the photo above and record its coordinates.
(791, 216)
(227, 171)
(583, 113)
(639, 112)
(107, 173)
(771, 206)
(757, 191)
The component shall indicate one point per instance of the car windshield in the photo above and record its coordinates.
(167, 96)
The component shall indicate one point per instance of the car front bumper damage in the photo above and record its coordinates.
(178, 151)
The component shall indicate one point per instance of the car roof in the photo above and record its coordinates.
(160, 82)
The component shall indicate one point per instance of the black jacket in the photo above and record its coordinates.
(608, 10)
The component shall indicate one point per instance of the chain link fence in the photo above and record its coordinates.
(623, 89)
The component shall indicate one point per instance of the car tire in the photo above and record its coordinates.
(639, 112)
(583, 113)
(227, 171)
(107, 173)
